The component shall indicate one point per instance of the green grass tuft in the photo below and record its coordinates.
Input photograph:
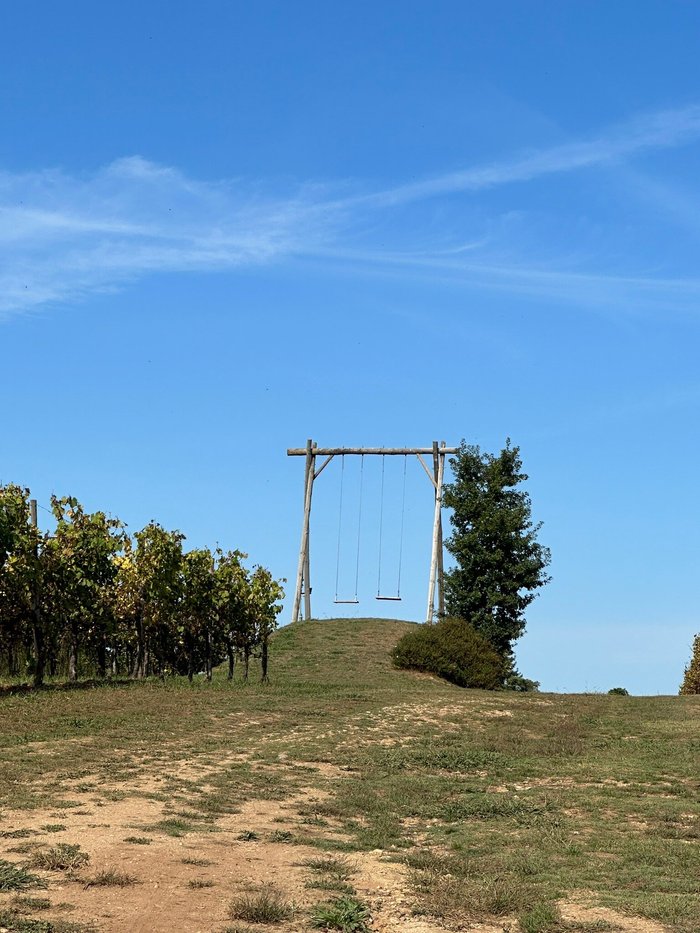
(346, 914)
(268, 905)
(62, 857)
(110, 878)
(14, 878)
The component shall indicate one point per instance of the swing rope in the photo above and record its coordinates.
(340, 526)
(359, 526)
(340, 534)
(381, 532)
(403, 515)
(381, 528)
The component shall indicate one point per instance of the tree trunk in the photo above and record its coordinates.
(231, 659)
(101, 653)
(139, 665)
(246, 662)
(207, 654)
(38, 643)
(73, 654)
(189, 648)
(263, 659)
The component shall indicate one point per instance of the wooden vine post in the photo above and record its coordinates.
(438, 451)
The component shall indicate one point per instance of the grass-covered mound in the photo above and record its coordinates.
(452, 649)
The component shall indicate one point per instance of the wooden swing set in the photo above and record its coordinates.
(438, 451)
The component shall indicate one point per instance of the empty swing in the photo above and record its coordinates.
(380, 595)
(354, 600)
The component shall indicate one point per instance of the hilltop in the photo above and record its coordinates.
(428, 806)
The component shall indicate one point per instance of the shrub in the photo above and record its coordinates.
(691, 681)
(454, 650)
(618, 692)
(519, 684)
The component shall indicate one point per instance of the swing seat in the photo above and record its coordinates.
(394, 599)
(354, 602)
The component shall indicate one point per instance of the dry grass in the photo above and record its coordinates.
(62, 857)
(269, 905)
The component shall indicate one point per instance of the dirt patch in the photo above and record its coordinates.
(583, 914)
(164, 897)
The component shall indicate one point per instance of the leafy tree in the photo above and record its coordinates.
(235, 623)
(20, 577)
(499, 562)
(265, 596)
(78, 562)
(691, 681)
(157, 583)
(197, 609)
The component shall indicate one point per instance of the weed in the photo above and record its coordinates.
(13, 878)
(63, 857)
(24, 902)
(172, 826)
(53, 827)
(330, 884)
(542, 918)
(24, 848)
(346, 914)
(110, 878)
(339, 868)
(266, 906)
(13, 922)
(138, 840)
(199, 862)
(200, 883)
(248, 835)
(281, 835)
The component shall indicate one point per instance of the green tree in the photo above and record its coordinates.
(198, 608)
(266, 594)
(499, 564)
(235, 622)
(691, 681)
(157, 581)
(20, 578)
(78, 569)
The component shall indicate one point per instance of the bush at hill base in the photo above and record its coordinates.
(454, 650)
(691, 681)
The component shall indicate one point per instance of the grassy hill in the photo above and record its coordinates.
(432, 806)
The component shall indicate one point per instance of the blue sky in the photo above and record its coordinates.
(230, 227)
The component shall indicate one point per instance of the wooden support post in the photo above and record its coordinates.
(440, 566)
(303, 565)
(307, 559)
(37, 621)
(439, 455)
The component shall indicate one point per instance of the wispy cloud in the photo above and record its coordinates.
(64, 236)
(656, 131)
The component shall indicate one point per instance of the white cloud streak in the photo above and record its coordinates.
(63, 237)
(659, 131)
